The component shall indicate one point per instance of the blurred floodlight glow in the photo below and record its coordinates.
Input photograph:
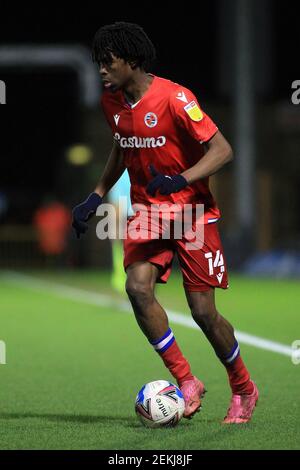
(79, 155)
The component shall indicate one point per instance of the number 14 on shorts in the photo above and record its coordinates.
(218, 262)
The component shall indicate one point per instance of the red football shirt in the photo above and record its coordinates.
(167, 129)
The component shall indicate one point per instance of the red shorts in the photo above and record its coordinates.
(202, 268)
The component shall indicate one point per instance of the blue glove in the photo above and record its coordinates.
(166, 184)
(84, 211)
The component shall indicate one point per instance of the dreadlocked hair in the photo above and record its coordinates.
(127, 41)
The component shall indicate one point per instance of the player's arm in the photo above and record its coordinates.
(218, 154)
(201, 128)
(112, 172)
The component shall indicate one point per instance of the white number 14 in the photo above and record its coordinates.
(218, 262)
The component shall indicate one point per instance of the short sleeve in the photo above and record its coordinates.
(189, 115)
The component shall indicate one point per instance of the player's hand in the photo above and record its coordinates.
(84, 211)
(164, 183)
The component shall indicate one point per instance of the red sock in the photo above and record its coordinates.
(239, 377)
(177, 363)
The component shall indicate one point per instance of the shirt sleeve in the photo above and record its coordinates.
(189, 115)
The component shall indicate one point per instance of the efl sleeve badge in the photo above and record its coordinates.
(194, 112)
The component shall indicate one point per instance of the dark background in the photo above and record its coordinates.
(194, 45)
(186, 36)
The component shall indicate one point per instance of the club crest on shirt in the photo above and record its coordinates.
(194, 112)
(150, 119)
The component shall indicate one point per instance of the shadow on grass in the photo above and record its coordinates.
(207, 427)
(127, 421)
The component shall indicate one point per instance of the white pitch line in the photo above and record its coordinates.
(103, 300)
(243, 338)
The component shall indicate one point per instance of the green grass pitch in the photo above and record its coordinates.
(73, 369)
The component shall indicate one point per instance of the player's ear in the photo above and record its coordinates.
(133, 64)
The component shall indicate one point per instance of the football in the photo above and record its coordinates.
(159, 404)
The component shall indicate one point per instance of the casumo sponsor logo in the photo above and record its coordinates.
(140, 142)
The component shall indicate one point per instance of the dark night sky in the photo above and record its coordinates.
(185, 36)
(42, 104)
(176, 58)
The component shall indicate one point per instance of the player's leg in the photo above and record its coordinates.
(140, 284)
(152, 318)
(146, 262)
(153, 321)
(203, 269)
(220, 334)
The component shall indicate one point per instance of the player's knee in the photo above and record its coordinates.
(203, 309)
(204, 315)
(138, 291)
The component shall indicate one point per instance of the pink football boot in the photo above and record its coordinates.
(192, 391)
(241, 407)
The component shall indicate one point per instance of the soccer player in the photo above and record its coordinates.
(170, 147)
